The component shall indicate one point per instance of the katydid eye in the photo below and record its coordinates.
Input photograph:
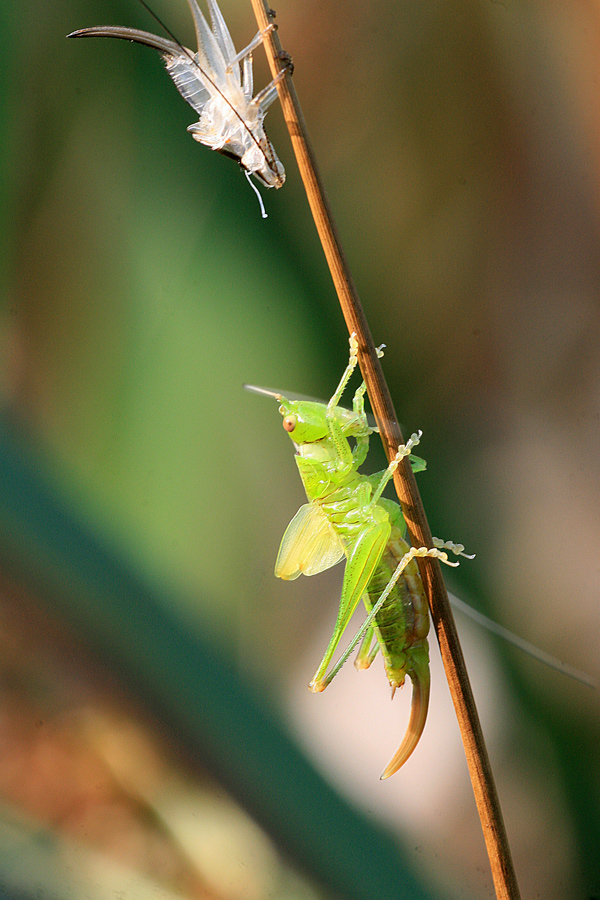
(289, 423)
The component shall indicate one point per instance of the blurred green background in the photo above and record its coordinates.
(460, 145)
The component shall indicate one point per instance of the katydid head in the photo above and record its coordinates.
(304, 421)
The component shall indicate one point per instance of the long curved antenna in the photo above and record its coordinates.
(264, 392)
(521, 643)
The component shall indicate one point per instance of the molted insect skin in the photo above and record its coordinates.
(217, 83)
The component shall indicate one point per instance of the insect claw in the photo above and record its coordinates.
(288, 63)
(457, 549)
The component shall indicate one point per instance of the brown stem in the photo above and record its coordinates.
(478, 762)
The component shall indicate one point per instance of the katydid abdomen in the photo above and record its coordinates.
(400, 630)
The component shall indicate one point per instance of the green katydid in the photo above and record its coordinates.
(347, 516)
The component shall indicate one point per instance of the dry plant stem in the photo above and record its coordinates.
(477, 759)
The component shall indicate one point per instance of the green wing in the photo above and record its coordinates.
(310, 544)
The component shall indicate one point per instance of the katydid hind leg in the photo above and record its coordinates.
(265, 98)
(360, 566)
(367, 652)
(254, 43)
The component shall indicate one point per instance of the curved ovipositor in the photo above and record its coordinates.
(399, 632)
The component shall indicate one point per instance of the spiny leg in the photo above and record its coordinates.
(403, 450)
(347, 458)
(358, 402)
(361, 449)
(358, 405)
(268, 95)
(254, 43)
(412, 554)
(366, 653)
(346, 376)
(361, 564)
